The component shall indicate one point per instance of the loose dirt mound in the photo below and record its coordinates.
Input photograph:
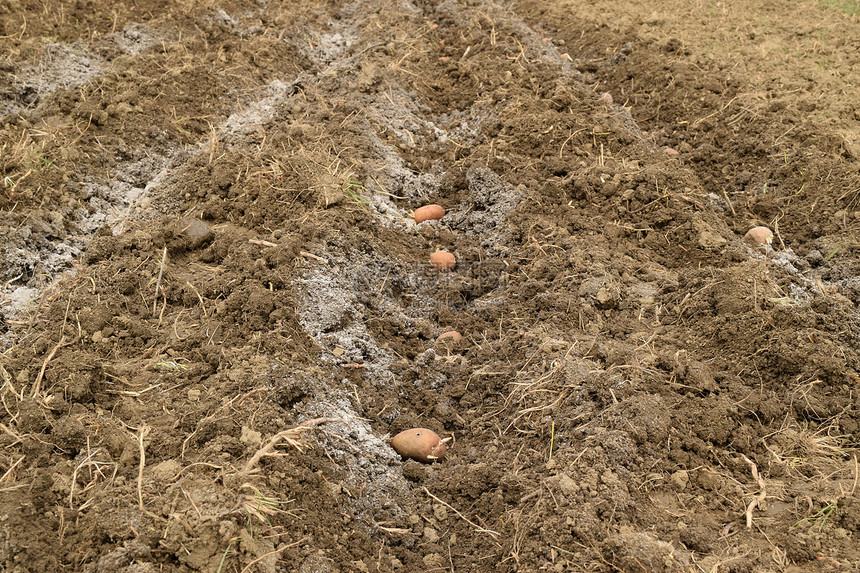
(216, 308)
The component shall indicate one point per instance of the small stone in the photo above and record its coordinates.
(681, 479)
(605, 298)
(440, 513)
(567, 485)
(434, 560)
(251, 437)
(194, 394)
(430, 535)
(710, 481)
(708, 238)
(814, 257)
(166, 470)
(195, 232)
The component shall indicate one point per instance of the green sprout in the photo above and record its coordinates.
(170, 366)
(821, 516)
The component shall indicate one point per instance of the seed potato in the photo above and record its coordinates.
(428, 213)
(419, 444)
(443, 260)
(450, 336)
(759, 236)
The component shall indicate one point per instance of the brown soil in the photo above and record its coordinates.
(216, 309)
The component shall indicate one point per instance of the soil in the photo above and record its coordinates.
(217, 309)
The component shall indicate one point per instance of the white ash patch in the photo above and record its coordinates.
(115, 202)
(136, 38)
(401, 113)
(373, 470)
(220, 16)
(802, 289)
(326, 48)
(13, 298)
(465, 125)
(333, 316)
(338, 298)
(59, 66)
(248, 121)
(491, 200)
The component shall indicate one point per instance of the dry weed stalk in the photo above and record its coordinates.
(9, 473)
(478, 528)
(290, 436)
(822, 450)
(94, 467)
(762, 494)
(37, 385)
(143, 432)
(158, 280)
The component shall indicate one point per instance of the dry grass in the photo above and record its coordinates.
(809, 453)
(821, 464)
(95, 472)
(258, 506)
(329, 178)
(291, 437)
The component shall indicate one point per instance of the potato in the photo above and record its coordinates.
(758, 236)
(450, 336)
(428, 213)
(443, 260)
(419, 444)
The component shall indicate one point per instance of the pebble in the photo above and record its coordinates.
(681, 479)
(434, 560)
(195, 232)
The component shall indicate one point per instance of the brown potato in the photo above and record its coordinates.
(443, 260)
(419, 444)
(428, 213)
(451, 335)
(759, 236)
